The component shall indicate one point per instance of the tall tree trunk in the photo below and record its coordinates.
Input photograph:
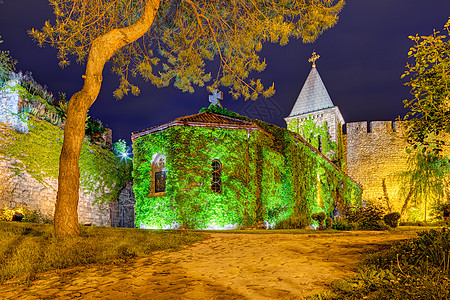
(102, 49)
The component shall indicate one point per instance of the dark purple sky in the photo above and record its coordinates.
(362, 59)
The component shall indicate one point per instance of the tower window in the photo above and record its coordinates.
(216, 183)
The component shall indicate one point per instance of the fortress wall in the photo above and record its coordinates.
(10, 103)
(375, 154)
(23, 190)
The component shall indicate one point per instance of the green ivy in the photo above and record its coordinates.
(38, 153)
(281, 178)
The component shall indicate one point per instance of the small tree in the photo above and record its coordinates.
(7, 65)
(166, 41)
(429, 79)
(424, 180)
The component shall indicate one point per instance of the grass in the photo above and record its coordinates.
(418, 268)
(28, 248)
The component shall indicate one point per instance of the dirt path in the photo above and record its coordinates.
(226, 266)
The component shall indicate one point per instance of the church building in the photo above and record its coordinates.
(217, 169)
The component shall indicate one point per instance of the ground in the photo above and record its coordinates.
(224, 266)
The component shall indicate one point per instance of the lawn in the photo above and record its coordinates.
(29, 248)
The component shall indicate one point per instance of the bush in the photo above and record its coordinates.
(343, 224)
(413, 269)
(328, 223)
(369, 217)
(34, 216)
(294, 222)
(319, 217)
(392, 219)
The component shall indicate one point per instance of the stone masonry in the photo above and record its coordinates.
(375, 154)
(23, 190)
(10, 104)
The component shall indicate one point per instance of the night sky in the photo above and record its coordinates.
(362, 59)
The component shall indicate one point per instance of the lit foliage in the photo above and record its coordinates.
(315, 135)
(7, 65)
(423, 182)
(38, 153)
(429, 77)
(284, 177)
(187, 33)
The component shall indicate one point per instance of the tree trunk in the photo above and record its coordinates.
(102, 49)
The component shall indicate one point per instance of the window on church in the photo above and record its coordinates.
(159, 175)
(320, 143)
(160, 181)
(216, 183)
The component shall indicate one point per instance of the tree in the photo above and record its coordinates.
(424, 180)
(429, 79)
(165, 41)
(7, 65)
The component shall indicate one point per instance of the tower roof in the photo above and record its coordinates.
(313, 96)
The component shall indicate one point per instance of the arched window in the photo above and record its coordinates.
(159, 176)
(216, 183)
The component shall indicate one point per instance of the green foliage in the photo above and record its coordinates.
(429, 77)
(320, 218)
(294, 222)
(423, 181)
(414, 269)
(343, 224)
(328, 223)
(317, 136)
(188, 34)
(369, 217)
(392, 219)
(6, 214)
(280, 179)
(94, 129)
(26, 249)
(120, 147)
(38, 154)
(7, 65)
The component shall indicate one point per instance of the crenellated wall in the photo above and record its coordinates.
(376, 155)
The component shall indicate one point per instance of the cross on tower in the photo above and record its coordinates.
(214, 98)
(313, 58)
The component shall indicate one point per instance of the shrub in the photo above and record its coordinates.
(328, 223)
(319, 217)
(34, 216)
(343, 224)
(369, 217)
(294, 222)
(392, 219)
(413, 269)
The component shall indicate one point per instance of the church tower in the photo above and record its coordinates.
(314, 103)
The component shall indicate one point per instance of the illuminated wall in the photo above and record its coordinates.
(269, 174)
(376, 155)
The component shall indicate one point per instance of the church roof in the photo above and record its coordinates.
(313, 96)
(204, 119)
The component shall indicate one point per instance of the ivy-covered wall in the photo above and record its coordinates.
(29, 164)
(268, 175)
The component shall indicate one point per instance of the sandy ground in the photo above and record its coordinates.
(225, 266)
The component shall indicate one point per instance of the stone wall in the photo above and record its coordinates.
(376, 153)
(23, 190)
(10, 104)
